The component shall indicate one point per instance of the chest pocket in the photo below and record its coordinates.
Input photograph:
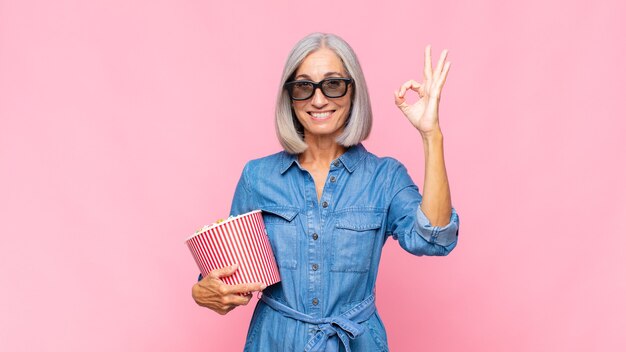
(353, 240)
(280, 223)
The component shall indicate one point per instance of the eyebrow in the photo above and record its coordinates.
(327, 74)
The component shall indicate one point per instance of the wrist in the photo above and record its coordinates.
(432, 136)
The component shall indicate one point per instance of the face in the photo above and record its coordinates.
(320, 115)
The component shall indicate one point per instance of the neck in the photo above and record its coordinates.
(322, 150)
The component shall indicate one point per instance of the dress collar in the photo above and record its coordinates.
(350, 159)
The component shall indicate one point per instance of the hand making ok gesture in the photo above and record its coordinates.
(424, 113)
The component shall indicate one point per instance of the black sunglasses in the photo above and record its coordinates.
(331, 87)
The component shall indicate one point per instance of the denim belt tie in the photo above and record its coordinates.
(345, 326)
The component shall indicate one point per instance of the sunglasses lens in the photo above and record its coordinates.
(301, 90)
(334, 88)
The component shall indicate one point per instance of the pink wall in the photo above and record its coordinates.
(125, 124)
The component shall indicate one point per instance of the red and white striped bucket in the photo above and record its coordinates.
(238, 240)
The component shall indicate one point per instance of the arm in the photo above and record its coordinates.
(424, 116)
(211, 292)
(243, 200)
(408, 224)
(436, 203)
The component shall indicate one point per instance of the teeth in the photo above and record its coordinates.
(320, 115)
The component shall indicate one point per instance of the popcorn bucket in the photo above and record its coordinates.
(238, 240)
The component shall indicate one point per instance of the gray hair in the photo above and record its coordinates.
(359, 123)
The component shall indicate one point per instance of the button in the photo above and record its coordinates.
(325, 205)
(315, 236)
(315, 267)
(333, 179)
(315, 301)
(336, 163)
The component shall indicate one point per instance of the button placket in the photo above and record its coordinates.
(316, 219)
(314, 251)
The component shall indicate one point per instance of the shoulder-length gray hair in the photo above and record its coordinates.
(358, 125)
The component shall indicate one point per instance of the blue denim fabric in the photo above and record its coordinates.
(334, 331)
(328, 251)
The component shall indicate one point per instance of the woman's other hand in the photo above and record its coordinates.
(213, 293)
(424, 113)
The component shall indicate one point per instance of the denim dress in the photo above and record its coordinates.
(328, 251)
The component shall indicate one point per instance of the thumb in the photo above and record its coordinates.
(225, 271)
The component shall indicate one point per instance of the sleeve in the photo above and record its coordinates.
(242, 200)
(408, 224)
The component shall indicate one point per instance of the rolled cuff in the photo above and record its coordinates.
(443, 236)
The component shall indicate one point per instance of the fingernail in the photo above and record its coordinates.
(263, 287)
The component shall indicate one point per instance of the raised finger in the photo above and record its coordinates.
(440, 63)
(444, 75)
(428, 67)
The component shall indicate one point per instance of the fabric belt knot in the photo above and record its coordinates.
(331, 330)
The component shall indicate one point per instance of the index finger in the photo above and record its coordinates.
(244, 288)
(225, 271)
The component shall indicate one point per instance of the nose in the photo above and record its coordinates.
(319, 99)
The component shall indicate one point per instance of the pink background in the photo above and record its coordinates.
(124, 125)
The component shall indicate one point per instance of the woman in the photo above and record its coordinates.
(329, 205)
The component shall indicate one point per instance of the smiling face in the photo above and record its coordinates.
(320, 115)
